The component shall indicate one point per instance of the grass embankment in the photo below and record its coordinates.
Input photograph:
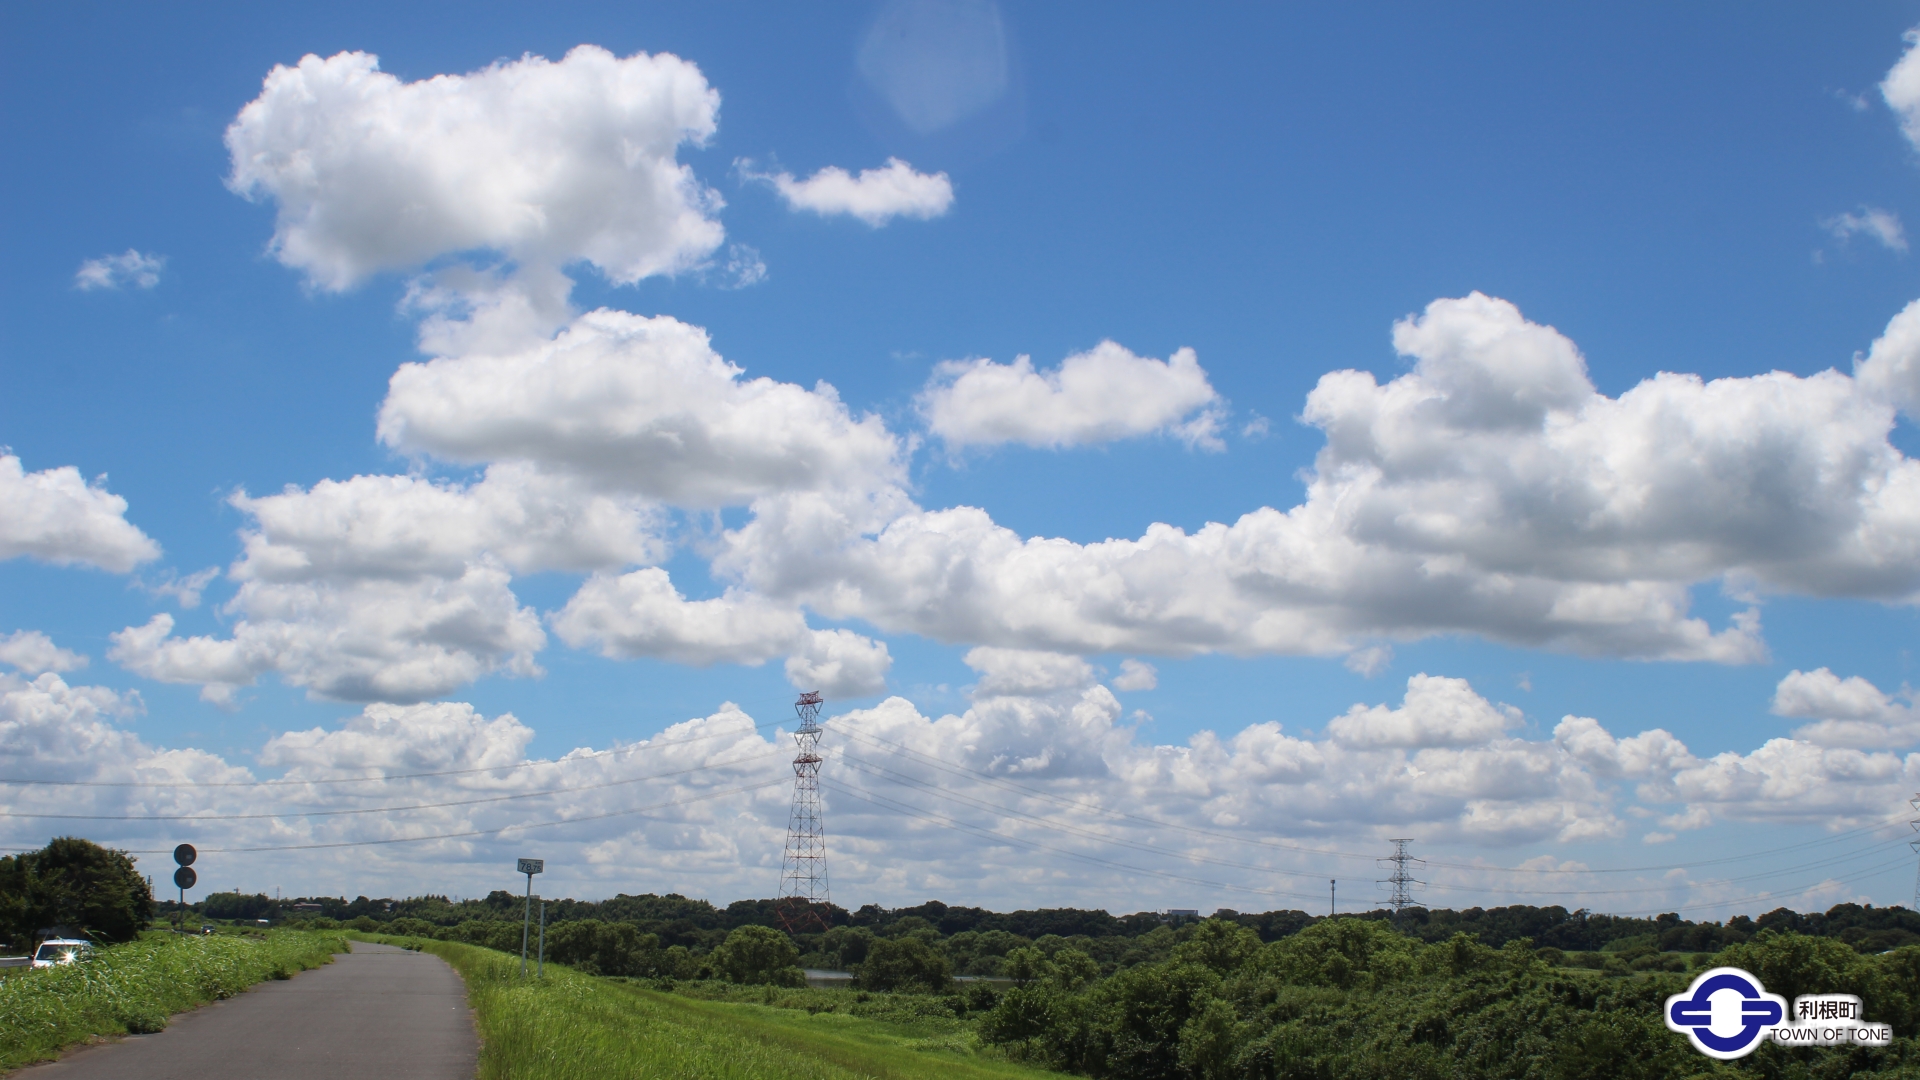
(133, 988)
(571, 1025)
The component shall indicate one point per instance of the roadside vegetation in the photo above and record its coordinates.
(133, 988)
(570, 1025)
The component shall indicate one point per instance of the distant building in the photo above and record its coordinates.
(1178, 912)
(306, 911)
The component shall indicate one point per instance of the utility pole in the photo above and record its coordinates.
(1332, 905)
(803, 867)
(1401, 879)
(540, 972)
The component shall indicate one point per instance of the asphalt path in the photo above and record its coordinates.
(374, 1013)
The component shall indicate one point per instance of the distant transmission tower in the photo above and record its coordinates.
(1402, 879)
(803, 870)
(1915, 845)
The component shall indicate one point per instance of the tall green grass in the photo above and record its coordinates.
(134, 987)
(569, 1026)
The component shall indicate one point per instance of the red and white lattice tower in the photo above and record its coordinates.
(802, 906)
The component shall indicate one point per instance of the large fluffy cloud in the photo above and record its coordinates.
(57, 517)
(544, 162)
(395, 588)
(642, 614)
(1100, 395)
(1490, 490)
(640, 405)
(367, 640)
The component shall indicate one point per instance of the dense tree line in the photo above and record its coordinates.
(1353, 998)
(975, 941)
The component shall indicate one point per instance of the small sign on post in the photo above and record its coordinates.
(185, 878)
(528, 867)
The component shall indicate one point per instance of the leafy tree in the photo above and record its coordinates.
(1220, 944)
(1026, 966)
(905, 963)
(1022, 1015)
(1073, 969)
(75, 884)
(759, 954)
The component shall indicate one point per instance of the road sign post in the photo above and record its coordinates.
(530, 867)
(184, 878)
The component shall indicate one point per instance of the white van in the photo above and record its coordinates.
(56, 951)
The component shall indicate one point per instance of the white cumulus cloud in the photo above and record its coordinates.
(875, 196)
(1901, 88)
(396, 588)
(642, 614)
(55, 516)
(1100, 395)
(1849, 712)
(545, 162)
(640, 405)
(131, 267)
(1136, 675)
(33, 653)
(1491, 490)
(1034, 793)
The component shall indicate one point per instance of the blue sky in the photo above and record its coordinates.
(1714, 191)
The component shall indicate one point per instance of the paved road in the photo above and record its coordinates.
(378, 1012)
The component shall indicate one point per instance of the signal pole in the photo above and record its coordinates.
(803, 867)
(1401, 879)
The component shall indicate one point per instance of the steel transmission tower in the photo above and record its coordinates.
(1915, 845)
(803, 869)
(1402, 879)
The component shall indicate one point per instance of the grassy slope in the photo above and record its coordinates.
(571, 1025)
(136, 986)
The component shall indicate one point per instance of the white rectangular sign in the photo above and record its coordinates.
(533, 866)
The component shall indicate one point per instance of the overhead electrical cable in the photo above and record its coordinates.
(396, 809)
(703, 797)
(651, 744)
(1902, 863)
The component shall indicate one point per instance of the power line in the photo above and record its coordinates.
(479, 832)
(387, 809)
(650, 744)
